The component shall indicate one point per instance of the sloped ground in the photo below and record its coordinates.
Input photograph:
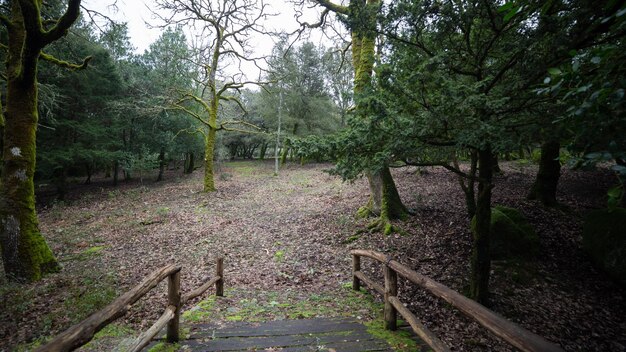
(288, 235)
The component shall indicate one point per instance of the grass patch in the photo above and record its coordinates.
(201, 312)
(92, 294)
(399, 340)
(164, 347)
(114, 330)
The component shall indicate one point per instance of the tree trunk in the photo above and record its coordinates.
(481, 259)
(468, 188)
(283, 156)
(116, 172)
(496, 164)
(60, 178)
(25, 253)
(161, 165)
(263, 151)
(544, 188)
(209, 182)
(384, 200)
(190, 163)
(88, 170)
(520, 153)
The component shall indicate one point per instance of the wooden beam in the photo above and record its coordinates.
(391, 290)
(198, 291)
(173, 299)
(512, 333)
(370, 283)
(356, 267)
(426, 335)
(219, 271)
(84, 331)
(144, 339)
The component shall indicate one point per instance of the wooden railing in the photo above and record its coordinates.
(84, 331)
(517, 336)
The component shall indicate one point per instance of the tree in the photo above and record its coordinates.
(456, 80)
(298, 74)
(78, 132)
(340, 75)
(360, 18)
(229, 22)
(169, 71)
(25, 254)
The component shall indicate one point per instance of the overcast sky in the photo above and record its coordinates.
(140, 19)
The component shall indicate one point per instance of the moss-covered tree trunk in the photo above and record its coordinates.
(209, 148)
(481, 259)
(545, 185)
(25, 253)
(384, 200)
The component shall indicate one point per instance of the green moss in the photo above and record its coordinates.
(93, 250)
(164, 347)
(279, 256)
(352, 238)
(604, 239)
(31, 346)
(399, 340)
(511, 236)
(388, 229)
(209, 182)
(255, 306)
(93, 294)
(114, 330)
(200, 312)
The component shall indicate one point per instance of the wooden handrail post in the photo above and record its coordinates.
(391, 290)
(173, 298)
(219, 284)
(356, 266)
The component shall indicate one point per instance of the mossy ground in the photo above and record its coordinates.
(239, 305)
(256, 305)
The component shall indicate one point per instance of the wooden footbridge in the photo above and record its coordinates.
(320, 334)
(332, 334)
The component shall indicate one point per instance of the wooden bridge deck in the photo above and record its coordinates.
(321, 334)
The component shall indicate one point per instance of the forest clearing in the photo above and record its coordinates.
(286, 240)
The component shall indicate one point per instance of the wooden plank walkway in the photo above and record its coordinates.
(321, 334)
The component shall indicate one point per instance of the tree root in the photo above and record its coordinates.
(381, 225)
(385, 227)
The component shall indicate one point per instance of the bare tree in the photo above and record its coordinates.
(229, 26)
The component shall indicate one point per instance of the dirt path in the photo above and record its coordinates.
(285, 243)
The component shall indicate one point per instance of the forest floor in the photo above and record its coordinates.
(286, 243)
